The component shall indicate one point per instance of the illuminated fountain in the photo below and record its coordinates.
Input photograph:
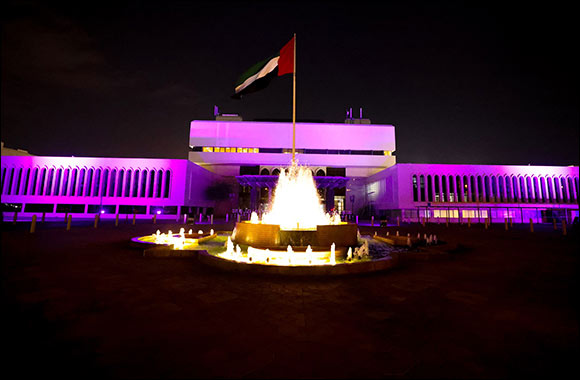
(295, 230)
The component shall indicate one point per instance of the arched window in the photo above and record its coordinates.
(89, 185)
(451, 188)
(571, 190)
(543, 190)
(319, 172)
(128, 180)
(105, 182)
(276, 172)
(550, 190)
(415, 189)
(82, 180)
(151, 184)
(159, 183)
(265, 171)
(65, 182)
(422, 187)
(472, 188)
(530, 188)
(48, 181)
(508, 188)
(120, 183)
(113, 183)
(437, 188)
(167, 184)
(564, 190)
(523, 193)
(536, 189)
(4, 170)
(27, 182)
(516, 189)
(429, 188)
(487, 188)
(444, 187)
(42, 180)
(493, 197)
(17, 181)
(576, 187)
(135, 183)
(73, 182)
(97, 182)
(479, 189)
(57, 182)
(143, 192)
(501, 195)
(459, 189)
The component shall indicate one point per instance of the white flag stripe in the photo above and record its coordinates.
(267, 69)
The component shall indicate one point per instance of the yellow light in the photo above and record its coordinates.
(239, 150)
(244, 150)
(227, 150)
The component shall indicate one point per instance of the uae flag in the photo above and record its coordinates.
(259, 76)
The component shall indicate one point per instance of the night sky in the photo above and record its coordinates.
(462, 82)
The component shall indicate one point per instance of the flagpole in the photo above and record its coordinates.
(294, 106)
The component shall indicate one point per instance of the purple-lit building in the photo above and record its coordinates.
(233, 166)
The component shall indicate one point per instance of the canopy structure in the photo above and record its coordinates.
(270, 181)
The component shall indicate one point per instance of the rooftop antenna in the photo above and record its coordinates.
(216, 111)
(360, 113)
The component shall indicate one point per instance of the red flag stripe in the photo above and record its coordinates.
(286, 61)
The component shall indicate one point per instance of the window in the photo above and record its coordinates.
(508, 187)
(501, 195)
(167, 182)
(480, 188)
(128, 179)
(319, 173)
(48, 182)
(422, 187)
(57, 182)
(276, 172)
(429, 188)
(551, 194)
(415, 191)
(143, 192)
(444, 195)
(530, 189)
(571, 189)
(151, 184)
(27, 182)
(523, 193)
(135, 184)
(536, 189)
(97, 182)
(89, 185)
(73, 182)
(65, 182)
(494, 196)
(120, 183)
(564, 191)
(159, 183)
(42, 181)
(105, 182)
(437, 189)
(265, 171)
(516, 189)
(81, 183)
(543, 190)
(473, 190)
(113, 182)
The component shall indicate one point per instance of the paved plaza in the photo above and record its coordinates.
(83, 303)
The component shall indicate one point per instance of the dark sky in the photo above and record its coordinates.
(463, 82)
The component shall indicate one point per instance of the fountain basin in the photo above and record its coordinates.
(270, 236)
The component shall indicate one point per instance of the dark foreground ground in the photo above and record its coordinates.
(83, 304)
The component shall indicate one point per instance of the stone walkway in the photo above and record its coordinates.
(83, 303)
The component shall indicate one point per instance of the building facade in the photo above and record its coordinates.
(233, 165)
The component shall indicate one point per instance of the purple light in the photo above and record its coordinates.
(158, 212)
(102, 211)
